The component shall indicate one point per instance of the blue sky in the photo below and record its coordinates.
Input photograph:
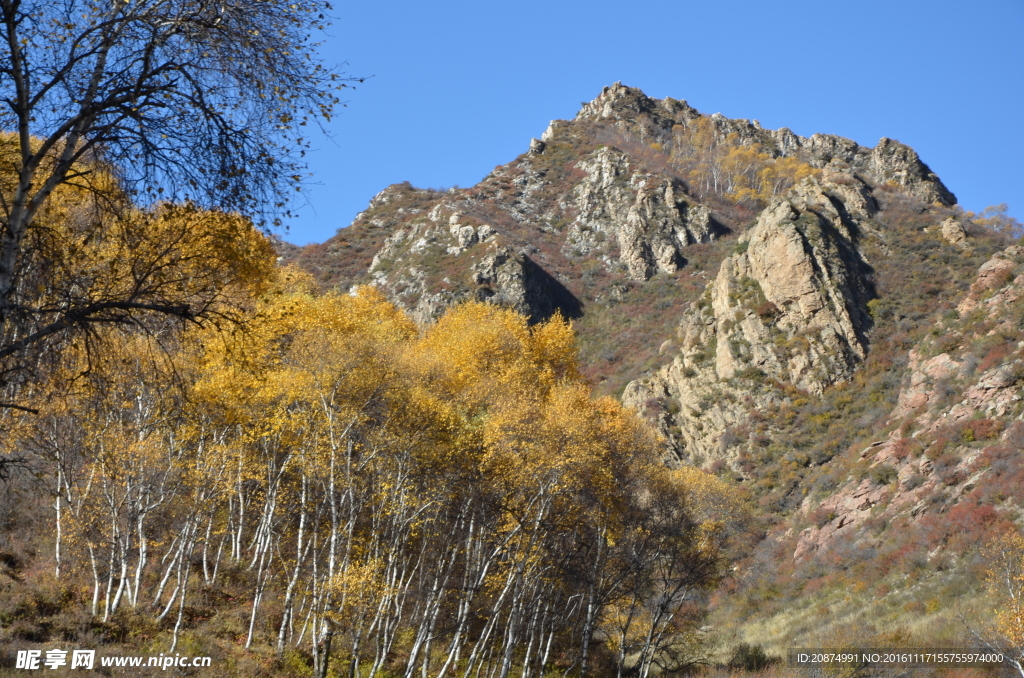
(459, 87)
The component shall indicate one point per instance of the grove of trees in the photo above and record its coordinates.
(431, 501)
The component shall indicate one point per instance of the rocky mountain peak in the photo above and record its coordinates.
(889, 161)
(733, 256)
(618, 102)
(810, 319)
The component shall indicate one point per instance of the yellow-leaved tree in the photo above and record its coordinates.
(1006, 585)
(724, 165)
(90, 258)
(379, 496)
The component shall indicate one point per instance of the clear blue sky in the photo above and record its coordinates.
(459, 87)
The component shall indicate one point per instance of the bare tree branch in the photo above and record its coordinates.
(142, 102)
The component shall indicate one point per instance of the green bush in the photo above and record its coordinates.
(751, 658)
(883, 474)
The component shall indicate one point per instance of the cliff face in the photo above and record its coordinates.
(649, 217)
(789, 306)
(803, 316)
(605, 208)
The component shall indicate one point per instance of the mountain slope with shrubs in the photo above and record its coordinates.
(813, 321)
(668, 393)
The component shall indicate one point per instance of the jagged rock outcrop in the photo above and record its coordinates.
(802, 254)
(889, 161)
(953, 231)
(618, 103)
(651, 221)
(514, 280)
(494, 272)
(790, 306)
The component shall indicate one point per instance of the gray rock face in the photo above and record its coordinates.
(650, 221)
(953, 231)
(797, 279)
(894, 162)
(466, 236)
(618, 102)
(514, 280)
(802, 256)
(789, 306)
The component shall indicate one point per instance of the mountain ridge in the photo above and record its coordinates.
(764, 300)
(598, 205)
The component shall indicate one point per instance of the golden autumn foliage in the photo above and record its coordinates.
(437, 500)
(1006, 582)
(90, 258)
(102, 108)
(995, 217)
(728, 167)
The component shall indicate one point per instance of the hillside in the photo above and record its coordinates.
(668, 394)
(816, 322)
(623, 213)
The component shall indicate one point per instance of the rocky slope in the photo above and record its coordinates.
(954, 406)
(892, 535)
(803, 316)
(635, 190)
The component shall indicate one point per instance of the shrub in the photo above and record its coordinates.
(954, 477)
(822, 516)
(751, 658)
(767, 311)
(981, 429)
(901, 449)
(883, 474)
(913, 482)
(996, 355)
(937, 448)
(751, 373)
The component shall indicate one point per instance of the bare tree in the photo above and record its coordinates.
(139, 101)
